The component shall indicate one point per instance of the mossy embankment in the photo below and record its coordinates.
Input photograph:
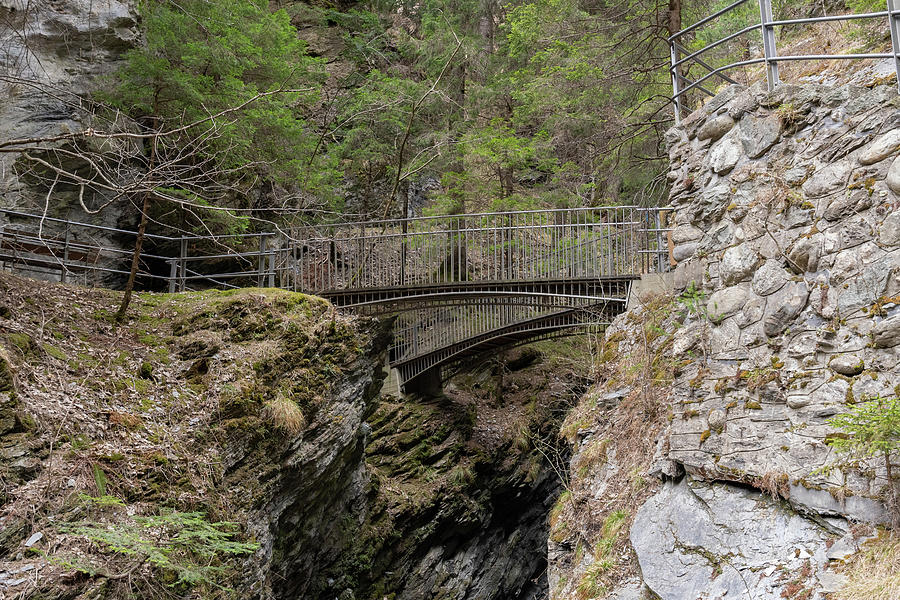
(212, 402)
(261, 408)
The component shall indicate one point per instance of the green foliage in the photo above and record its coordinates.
(865, 6)
(872, 428)
(577, 79)
(693, 299)
(183, 544)
(201, 57)
(99, 479)
(536, 103)
(372, 121)
(594, 581)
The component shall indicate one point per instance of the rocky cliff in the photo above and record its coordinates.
(786, 312)
(54, 55)
(259, 408)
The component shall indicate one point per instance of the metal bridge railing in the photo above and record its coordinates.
(488, 279)
(681, 57)
(87, 253)
(611, 241)
(539, 245)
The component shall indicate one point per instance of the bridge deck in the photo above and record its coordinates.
(560, 292)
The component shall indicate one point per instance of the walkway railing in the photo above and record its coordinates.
(489, 248)
(462, 283)
(612, 241)
(96, 255)
(681, 58)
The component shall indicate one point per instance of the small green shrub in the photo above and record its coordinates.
(183, 545)
(693, 299)
(872, 429)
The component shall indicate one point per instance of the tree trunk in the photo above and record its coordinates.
(674, 14)
(454, 115)
(895, 497)
(673, 27)
(142, 228)
(135, 259)
(506, 181)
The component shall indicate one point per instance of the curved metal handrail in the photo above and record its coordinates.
(681, 85)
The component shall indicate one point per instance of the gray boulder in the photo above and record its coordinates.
(881, 148)
(715, 128)
(686, 233)
(847, 364)
(703, 541)
(726, 302)
(725, 155)
(886, 334)
(893, 176)
(759, 134)
(787, 306)
(803, 255)
(684, 251)
(827, 180)
(769, 278)
(738, 263)
(889, 234)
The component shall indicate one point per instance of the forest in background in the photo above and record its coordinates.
(241, 114)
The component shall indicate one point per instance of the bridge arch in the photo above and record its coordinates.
(465, 284)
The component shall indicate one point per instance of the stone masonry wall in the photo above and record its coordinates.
(787, 227)
(786, 313)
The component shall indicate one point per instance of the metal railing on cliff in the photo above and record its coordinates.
(682, 57)
(463, 284)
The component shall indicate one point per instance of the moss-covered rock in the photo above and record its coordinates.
(7, 382)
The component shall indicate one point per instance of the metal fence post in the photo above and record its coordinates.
(63, 274)
(272, 264)
(676, 81)
(173, 274)
(182, 264)
(261, 264)
(893, 7)
(768, 35)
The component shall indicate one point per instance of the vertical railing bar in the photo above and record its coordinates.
(769, 49)
(453, 223)
(272, 263)
(182, 266)
(676, 83)
(893, 7)
(173, 274)
(63, 274)
(261, 261)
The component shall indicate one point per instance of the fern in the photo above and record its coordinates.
(184, 544)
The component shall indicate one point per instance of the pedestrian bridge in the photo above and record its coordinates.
(464, 285)
(457, 286)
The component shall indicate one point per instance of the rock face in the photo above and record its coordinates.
(788, 314)
(712, 540)
(417, 518)
(61, 49)
(271, 403)
(818, 326)
(55, 54)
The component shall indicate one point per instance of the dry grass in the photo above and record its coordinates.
(115, 411)
(637, 357)
(283, 413)
(874, 574)
(776, 485)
